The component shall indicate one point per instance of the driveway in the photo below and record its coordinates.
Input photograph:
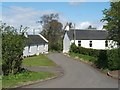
(76, 75)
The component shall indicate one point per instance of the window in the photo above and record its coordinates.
(79, 43)
(106, 43)
(90, 44)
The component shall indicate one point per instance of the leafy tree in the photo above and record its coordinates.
(52, 30)
(112, 19)
(12, 49)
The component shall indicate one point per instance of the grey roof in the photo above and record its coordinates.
(87, 34)
(34, 39)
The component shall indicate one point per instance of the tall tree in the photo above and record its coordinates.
(112, 19)
(52, 30)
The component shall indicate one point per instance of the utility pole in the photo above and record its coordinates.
(74, 34)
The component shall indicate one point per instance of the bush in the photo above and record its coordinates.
(12, 50)
(114, 59)
(102, 61)
(73, 48)
(85, 51)
(109, 59)
(56, 47)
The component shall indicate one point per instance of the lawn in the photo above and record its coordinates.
(40, 60)
(23, 78)
(28, 76)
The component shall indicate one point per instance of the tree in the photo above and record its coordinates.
(91, 27)
(112, 19)
(12, 49)
(52, 30)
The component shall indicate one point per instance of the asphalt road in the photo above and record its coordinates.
(76, 75)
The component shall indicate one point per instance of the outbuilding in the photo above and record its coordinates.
(35, 44)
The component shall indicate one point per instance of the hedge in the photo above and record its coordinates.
(85, 51)
(106, 59)
(114, 59)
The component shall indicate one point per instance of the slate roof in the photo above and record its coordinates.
(87, 34)
(34, 39)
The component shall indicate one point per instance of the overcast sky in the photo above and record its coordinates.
(82, 14)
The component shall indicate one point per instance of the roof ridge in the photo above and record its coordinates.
(86, 30)
(43, 37)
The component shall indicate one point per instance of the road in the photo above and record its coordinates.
(76, 75)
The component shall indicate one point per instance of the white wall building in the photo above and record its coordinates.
(95, 39)
(35, 44)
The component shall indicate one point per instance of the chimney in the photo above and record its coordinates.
(67, 28)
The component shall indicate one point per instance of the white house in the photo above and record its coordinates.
(95, 39)
(35, 44)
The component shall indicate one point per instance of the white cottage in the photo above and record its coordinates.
(35, 44)
(95, 39)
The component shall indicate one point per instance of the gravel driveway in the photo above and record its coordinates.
(76, 75)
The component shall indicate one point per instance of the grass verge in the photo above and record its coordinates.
(40, 60)
(0, 82)
(83, 57)
(23, 78)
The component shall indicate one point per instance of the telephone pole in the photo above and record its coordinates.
(74, 34)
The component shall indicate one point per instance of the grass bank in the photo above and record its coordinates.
(24, 78)
(82, 57)
(40, 60)
(0, 82)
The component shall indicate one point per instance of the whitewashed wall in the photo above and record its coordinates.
(96, 44)
(35, 50)
(66, 44)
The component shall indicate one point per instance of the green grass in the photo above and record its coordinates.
(0, 82)
(40, 60)
(22, 78)
(84, 57)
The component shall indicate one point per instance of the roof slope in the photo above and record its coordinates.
(87, 34)
(34, 39)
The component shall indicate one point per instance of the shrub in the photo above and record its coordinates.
(109, 59)
(73, 48)
(113, 59)
(85, 51)
(102, 61)
(12, 50)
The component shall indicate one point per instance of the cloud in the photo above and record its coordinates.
(16, 16)
(84, 25)
(75, 2)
